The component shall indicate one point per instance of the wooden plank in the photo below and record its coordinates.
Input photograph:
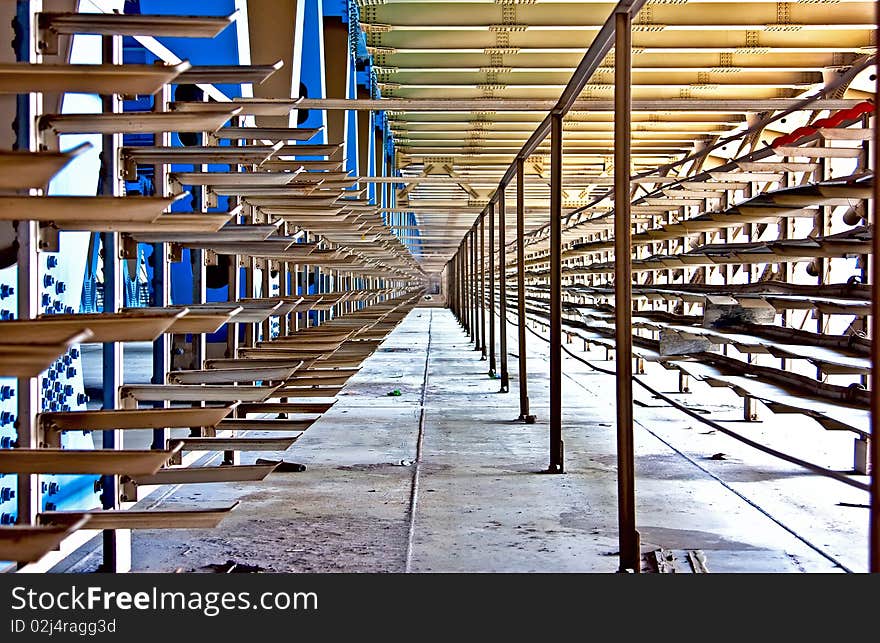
(307, 164)
(232, 375)
(249, 106)
(780, 166)
(309, 149)
(167, 227)
(233, 362)
(22, 170)
(234, 233)
(234, 444)
(306, 392)
(199, 155)
(846, 133)
(317, 381)
(280, 353)
(820, 152)
(750, 177)
(232, 74)
(29, 360)
(291, 201)
(321, 334)
(205, 475)
(316, 344)
(129, 80)
(198, 321)
(274, 134)
(258, 191)
(112, 420)
(247, 314)
(195, 393)
(117, 24)
(265, 424)
(132, 326)
(28, 544)
(234, 179)
(286, 305)
(73, 209)
(206, 518)
(136, 122)
(286, 407)
(74, 461)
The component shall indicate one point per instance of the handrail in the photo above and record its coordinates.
(599, 48)
(839, 82)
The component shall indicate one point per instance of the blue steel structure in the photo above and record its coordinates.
(71, 278)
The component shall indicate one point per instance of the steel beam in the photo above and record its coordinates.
(596, 53)
(556, 444)
(482, 288)
(492, 363)
(874, 528)
(630, 556)
(502, 291)
(524, 413)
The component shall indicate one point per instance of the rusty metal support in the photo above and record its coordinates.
(630, 555)
(524, 414)
(556, 444)
(475, 286)
(874, 529)
(469, 259)
(492, 364)
(483, 287)
(463, 284)
(502, 290)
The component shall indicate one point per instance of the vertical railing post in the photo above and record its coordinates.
(630, 555)
(492, 365)
(482, 271)
(28, 498)
(556, 444)
(874, 520)
(524, 413)
(476, 287)
(502, 290)
(462, 274)
(117, 542)
(161, 273)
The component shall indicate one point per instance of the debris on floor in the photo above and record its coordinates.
(283, 465)
(234, 567)
(395, 393)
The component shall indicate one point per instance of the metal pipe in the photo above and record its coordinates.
(492, 363)
(556, 444)
(502, 288)
(630, 556)
(524, 414)
(483, 287)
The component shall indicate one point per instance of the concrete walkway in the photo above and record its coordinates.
(477, 501)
